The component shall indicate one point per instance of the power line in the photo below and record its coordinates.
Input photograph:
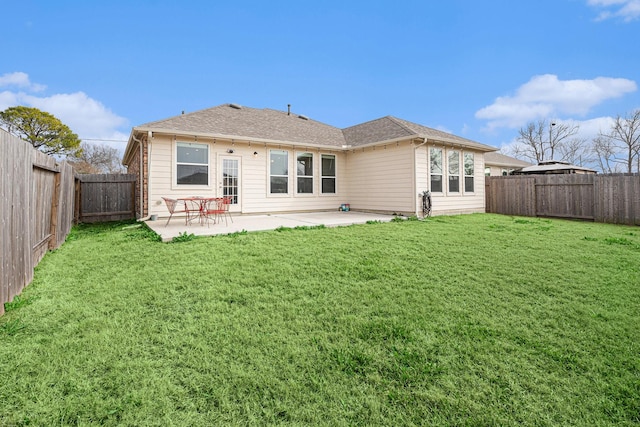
(106, 140)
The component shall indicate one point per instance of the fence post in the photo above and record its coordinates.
(55, 200)
(133, 199)
(78, 198)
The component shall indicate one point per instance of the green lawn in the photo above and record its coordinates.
(461, 320)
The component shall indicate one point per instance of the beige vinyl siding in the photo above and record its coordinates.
(462, 202)
(422, 175)
(257, 198)
(254, 178)
(381, 179)
(162, 169)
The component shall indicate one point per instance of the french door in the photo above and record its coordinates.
(229, 181)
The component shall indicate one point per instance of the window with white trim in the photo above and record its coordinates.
(435, 169)
(304, 173)
(192, 163)
(468, 172)
(328, 170)
(453, 160)
(279, 172)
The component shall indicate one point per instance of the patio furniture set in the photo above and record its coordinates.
(201, 209)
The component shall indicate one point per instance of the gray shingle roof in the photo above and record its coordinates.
(244, 122)
(498, 159)
(390, 128)
(231, 120)
(383, 129)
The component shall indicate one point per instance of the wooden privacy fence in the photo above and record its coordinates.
(101, 198)
(36, 211)
(601, 198)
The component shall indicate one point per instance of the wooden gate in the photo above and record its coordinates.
(105, 197)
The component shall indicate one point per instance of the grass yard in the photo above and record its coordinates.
(461, 320)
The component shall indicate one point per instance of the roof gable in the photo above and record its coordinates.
(392, 128)
(383, 129)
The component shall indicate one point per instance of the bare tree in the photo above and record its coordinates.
(625, 134)
(98, 158)
(605, 153)
(546, 140)
(575, 151)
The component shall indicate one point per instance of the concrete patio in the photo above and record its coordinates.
(261, 223)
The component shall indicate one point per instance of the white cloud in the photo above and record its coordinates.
(87, 117)
(590, 129)
(20, 80)
(84, 115)
(7, 99)
(628, 10)
(546, 96)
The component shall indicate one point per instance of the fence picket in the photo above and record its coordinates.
(29, 223)
(39, 200)
(601, 198)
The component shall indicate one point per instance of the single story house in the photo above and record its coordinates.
(554, 167)
(276, 161)
(498, 164)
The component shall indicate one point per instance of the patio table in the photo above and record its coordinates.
(196, 208)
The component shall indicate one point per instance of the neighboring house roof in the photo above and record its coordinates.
(498, 159)
(232, 121)
(553, 167)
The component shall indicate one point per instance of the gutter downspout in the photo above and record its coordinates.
(141, 177)
(149, 148)
(415, 188)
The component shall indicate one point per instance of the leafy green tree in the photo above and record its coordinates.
(43, 130)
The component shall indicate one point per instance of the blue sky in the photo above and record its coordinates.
(478, 69)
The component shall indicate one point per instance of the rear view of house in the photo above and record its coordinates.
(277, 161)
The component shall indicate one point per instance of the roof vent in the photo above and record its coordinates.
(303, 117)
(236, 106)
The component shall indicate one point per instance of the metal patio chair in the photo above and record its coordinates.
(176, 206)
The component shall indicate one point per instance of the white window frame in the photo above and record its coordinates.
(305, 177)
(270, 175)
(176, 165)
(432, 174)
(334, 176)
(464, 172)
(451, 174)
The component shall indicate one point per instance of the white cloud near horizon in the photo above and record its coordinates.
(20, 80)
(627, 10)
(85, 116)
(547, 96)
